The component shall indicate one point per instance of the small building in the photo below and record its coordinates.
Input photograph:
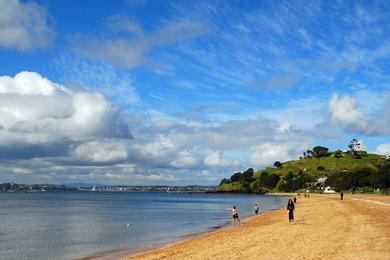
(328, 189)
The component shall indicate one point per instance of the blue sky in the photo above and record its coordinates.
(186, 92)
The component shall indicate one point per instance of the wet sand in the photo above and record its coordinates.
(325, 228)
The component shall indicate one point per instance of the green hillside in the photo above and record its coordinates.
(346, 171)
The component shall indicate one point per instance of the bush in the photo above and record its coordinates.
(269, 180)
(290, 183)
(224, 181)
(320, 151)
(338, 154)
(256, 187)
(278, 164)
(235, 177)
(247, 176)
(321, 168)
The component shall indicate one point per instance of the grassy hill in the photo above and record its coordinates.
(344, 173)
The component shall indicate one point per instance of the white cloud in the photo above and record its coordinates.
(383, 149)
(215, 159)
(269, 152)
(42, 118)
(185, 159)
(101, 151)
(129, 51)
(344, 110)
(29, 83)
(24, 26)
(159, 147)
(33, 104)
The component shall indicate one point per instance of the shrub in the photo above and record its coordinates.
(278, 164)
(320, 151)
(235, 177)
(321, 168)
(269, 180)
(224, 181)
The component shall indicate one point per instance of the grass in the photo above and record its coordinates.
(330, 164)
(315, 167)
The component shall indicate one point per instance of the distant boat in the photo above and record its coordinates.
(43, 190)
(94, 188)
(168, 189)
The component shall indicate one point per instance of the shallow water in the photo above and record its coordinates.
(70, 225)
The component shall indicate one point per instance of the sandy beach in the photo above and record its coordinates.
(325, 228)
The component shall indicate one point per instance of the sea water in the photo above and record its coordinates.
(71, 225)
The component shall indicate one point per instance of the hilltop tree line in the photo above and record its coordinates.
(377, 176)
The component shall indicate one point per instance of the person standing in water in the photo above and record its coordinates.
(256, 207)
(341, 196)
(290, 209)
(235, 215)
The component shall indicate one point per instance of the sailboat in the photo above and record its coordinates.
(94, 188)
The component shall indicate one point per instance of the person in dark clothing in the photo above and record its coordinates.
(256, 207)
(290, 209)
(295, 200)
(341, 196)
(235, 215)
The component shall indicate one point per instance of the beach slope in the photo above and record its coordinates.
(326, 228)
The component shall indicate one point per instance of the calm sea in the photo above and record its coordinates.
(71, 225)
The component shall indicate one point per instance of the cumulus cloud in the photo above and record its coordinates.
(101, 151)
(129, 50)
(283, 150)
(345, 111)
(24, 26)
(215, 159)
(185, 159)
(383, 149)
(37, 113)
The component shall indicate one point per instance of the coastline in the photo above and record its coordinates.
(146, 248)
(362, 223)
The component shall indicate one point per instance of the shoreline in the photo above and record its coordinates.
(270, 236)
(146, 248)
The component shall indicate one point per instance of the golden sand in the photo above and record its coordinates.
(325, 228)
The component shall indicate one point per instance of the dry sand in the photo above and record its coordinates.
(326, 228)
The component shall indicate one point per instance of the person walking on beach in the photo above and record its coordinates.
(235, 215)
(290, 209)
(256, 209)
(295, 200)
(341, 196)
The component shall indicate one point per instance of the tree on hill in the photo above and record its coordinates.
(338, 154)
(290, 183)
(278, 164)
(247, 176)
(224, 181)
(235, 177)
(320, 151)
(381, 179)
(354, 146)
(269, 181)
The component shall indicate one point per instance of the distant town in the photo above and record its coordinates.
(10, 187)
